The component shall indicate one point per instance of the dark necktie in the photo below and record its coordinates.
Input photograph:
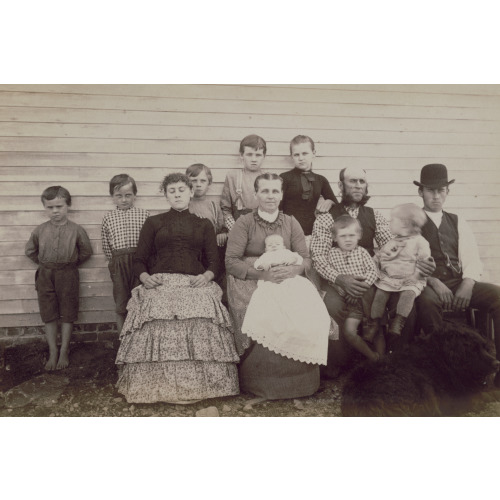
(306, 179)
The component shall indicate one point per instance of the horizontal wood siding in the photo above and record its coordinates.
(81, 135)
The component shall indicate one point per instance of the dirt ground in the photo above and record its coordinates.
(87, 389)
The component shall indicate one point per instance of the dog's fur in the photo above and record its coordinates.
(423, 377)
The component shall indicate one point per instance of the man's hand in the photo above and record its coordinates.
(324, 206)
(351, 300)
(426, 267)
(353, 285)
(444, 294)
(221, 239)
(463, 295)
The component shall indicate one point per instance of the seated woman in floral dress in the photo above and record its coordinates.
(277, 367)
(177, 344)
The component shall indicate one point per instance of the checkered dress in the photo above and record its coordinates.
(121, 228)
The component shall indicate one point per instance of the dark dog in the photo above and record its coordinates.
(423, 377)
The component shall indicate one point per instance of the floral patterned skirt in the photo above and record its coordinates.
(177, 344)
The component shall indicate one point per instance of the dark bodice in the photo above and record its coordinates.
(174, 242)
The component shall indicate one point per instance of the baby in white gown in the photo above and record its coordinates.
(275, 316)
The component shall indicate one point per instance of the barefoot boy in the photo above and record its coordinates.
(58, 247)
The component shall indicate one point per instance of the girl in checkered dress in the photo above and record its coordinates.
(120, 234)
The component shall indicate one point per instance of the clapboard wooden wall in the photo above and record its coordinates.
(81, 135)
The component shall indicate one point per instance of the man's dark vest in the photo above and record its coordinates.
(444, 246)
(366, 218)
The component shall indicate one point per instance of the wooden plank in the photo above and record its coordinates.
(487, 232)
(33, 219)
(439, 152)
(23, 262)
(486, 252)
(205, 105)
(148, 181)
(225, 133)
(84, 164)
(19, 218)
(460, 89)
(14, 292)
(29, 306)
(421, 95)
(22, 233)
(13, 248)
(491, 263)
(308, 124)
(380, 198)
(84, 218)
(27, 277)
(380, 182)
(12, 320)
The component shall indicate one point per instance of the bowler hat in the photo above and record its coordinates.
(433, 176)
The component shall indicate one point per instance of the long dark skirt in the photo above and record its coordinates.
(261, 371)
(271, 376)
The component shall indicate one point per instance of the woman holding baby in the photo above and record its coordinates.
(283, 339)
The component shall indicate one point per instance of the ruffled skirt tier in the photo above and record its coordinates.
(177, 344)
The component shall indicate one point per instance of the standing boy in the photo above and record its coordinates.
(120, 234)
(238, 193)
(58, 246)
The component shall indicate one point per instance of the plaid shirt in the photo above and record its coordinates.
(322, 241)
(357, 262)
(120, 229)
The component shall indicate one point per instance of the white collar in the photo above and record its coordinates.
(267, 216)
(435, 217)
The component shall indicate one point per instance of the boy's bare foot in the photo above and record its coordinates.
(51, 363)
(63, 361)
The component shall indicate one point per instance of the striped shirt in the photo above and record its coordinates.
(121, 228)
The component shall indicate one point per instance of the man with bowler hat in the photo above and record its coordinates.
(455, 284)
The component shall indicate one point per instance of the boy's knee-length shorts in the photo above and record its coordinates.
(122, 275)
(58, 292)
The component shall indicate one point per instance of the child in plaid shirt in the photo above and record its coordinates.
(120, 234)
(349, 258)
